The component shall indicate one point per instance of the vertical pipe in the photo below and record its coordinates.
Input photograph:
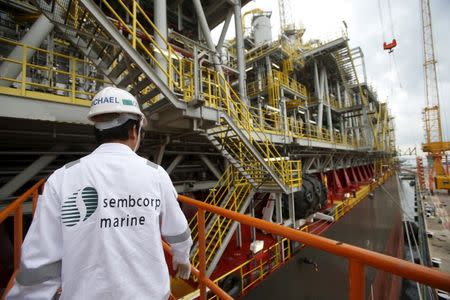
(252, 229)
(180, 16)
(292, 209)
(239, 235)
(196, 75)
(268, 67)
(327, 95)
(240, 50)
(283, 112)
(160, 11)
(202, 252)
(18, 236)
(278, 208)
(338, 94)
(260, 112)
(356, 280)
(320, 86)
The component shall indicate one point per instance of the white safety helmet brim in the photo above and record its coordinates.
(112, 100)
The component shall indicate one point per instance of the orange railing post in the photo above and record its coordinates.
(34, 201)
(202, 252)
(18, 236)
(356, 279)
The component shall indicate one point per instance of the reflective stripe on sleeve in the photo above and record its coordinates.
(34, 276)
(173, 239)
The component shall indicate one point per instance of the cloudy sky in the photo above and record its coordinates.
(398, 79)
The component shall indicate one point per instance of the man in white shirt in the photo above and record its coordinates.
(98, 225)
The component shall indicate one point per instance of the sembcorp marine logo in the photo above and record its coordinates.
(79, 206)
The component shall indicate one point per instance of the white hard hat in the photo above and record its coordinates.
(112, 100)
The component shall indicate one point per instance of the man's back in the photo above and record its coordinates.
(104, 214)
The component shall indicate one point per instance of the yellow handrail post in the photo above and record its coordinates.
(34, 201)
(202, 252)
(18, 236)
(134, 24)
(24, 70)
(73, 74)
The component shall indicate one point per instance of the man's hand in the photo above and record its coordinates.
(183, 270)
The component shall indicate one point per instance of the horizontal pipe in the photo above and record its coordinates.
(383, 262)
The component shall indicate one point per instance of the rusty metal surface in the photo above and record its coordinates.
(373, 224)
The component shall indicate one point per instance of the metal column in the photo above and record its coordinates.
(160, 11)
(327, 95)
(174, 163)
(23, 177)
(319, 94)
(210, 166)
(240, 50)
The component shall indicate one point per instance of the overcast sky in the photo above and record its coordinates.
(403, 85)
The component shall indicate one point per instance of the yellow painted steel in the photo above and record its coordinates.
(230, 192)
(49, 87)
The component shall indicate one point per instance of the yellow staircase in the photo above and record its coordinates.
(233, 192)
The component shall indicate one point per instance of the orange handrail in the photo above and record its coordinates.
(358, 257)
(15, 209)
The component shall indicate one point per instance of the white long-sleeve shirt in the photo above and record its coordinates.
(97, 231)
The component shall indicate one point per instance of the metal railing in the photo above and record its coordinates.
(51, 75)
(358, 258)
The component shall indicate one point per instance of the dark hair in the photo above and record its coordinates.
(115, 133)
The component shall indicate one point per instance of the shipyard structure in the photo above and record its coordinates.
(278, 127)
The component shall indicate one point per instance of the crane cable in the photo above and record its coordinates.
(392, 60)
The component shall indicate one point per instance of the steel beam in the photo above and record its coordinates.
(224, 30)
(194, 186)
(160, 13)
(33, 38)
(327, 95)
(28, 173)
(210, 166)
(134, 55)
(203, 23)
(174, 163)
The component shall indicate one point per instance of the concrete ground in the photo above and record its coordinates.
(439, 224)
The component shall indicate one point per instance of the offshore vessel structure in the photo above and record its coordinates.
(285, 130)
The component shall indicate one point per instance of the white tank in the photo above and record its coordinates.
(262, 29)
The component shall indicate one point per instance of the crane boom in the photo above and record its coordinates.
(438, 176)
(432, 115)
(286, 18)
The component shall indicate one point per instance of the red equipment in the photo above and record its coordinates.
(390, 47)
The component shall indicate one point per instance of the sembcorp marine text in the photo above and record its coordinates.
(129, 202)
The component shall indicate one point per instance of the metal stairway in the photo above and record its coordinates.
(99, 39)
(233, 192)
